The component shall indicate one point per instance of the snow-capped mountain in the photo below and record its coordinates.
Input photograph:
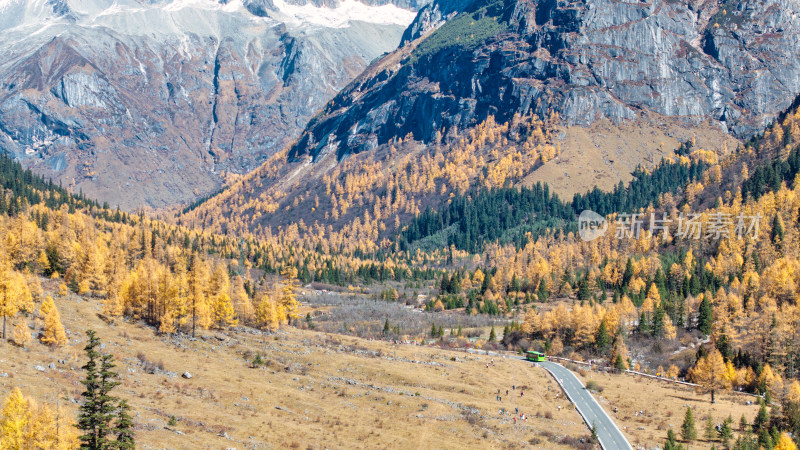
(149, 102)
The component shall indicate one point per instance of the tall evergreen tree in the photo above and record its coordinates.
(602, 340)
(762, 419)
(711, 430)
(726, 431)
(99, 408)
(492, 335)
(123, 428)
(628, 274)
(777, 234)
(583, 289)
(705, 317)
(542, 291)
(688, 429)
(672, 443)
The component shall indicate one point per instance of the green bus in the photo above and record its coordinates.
(534, 356)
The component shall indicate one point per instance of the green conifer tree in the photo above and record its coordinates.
(705, 317)
(602, 340)
(123, 428)
(711, 431)
(99, 408)
(726, 432)
(688, 429)
(762, 419)
(672, 443)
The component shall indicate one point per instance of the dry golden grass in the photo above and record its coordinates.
(664, 405)
(317, 390)
(604, 153)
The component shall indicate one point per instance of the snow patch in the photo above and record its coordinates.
(341, 16)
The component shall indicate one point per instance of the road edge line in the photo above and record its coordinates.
(590, 425)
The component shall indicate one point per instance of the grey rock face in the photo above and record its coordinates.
(734, 62)
(152, 102)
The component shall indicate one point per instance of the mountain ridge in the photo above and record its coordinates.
(154, 103)
(585, 60)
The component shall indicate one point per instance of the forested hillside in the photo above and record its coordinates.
(357, 205)
(174, 278)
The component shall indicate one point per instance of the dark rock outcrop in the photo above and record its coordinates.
(734, 62)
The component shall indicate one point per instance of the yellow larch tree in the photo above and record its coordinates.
(288, 298)
(711, 373)
(14, 420)
(15, 295)
(267, 315)
(198, 300)
(54, 333)
(22, 334)
(24, 425)
(785, 443)
(223, 312)
(219, 287)
(669, 329)
(241, 300)
(619, 354)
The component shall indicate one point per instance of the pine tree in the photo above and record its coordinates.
(777, 234)
(123, 428)
(583, 289)
(688, 429)
(711, 431)
(628, 274)
(705, 316)
(620, 364)
(492, 335)
(761, 421)
(386, 327)
(671, 443)
(99, 408)
(541, 293)
(726, 432)
(602, 341)
(764, 439)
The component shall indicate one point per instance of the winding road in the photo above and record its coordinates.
(609, 435)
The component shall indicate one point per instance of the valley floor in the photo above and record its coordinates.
(316, 390)
(320, 390)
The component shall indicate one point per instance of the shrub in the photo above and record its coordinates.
(593, 386)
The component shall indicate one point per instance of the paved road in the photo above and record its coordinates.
(611, 438)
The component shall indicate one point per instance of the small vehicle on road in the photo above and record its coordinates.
(534, 356)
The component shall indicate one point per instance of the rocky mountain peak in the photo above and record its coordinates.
(154, 102)
(732, 62)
